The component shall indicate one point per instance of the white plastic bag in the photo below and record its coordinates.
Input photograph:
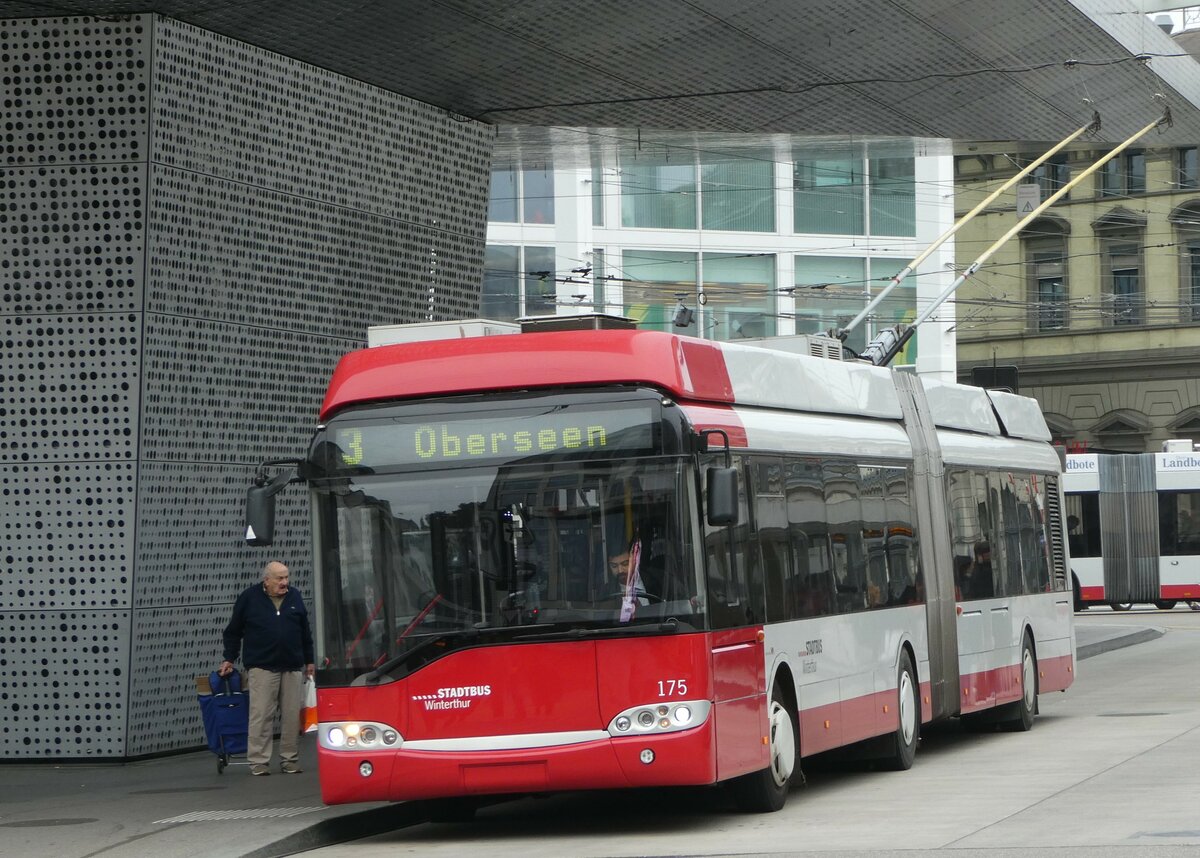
(308, 711)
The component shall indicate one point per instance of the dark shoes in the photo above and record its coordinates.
(290, 768)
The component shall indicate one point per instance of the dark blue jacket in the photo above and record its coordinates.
(270, 639)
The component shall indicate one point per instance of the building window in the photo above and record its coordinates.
(1049, 274)
(893, 196)
(1187, 175)
(1186, 220)
(517, 281)
(651, 280)
(1125, 273)
(828, 196)
(1044, 247)
(503, 196)
(541, 284)
(1124, 175)
(1192, 288)
(740, 289)
(1135, 173)
(537, 194)
(529, 191)
(1052, 175)
(737, 192)
(597, 196)
(830, 291)
(501, 294)
(658, 189)
(599, 281)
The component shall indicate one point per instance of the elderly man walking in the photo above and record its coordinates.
(270, 629)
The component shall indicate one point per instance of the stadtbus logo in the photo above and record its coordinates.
(453, 697)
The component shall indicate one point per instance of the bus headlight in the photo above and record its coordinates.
(358, 736)
(660, 718)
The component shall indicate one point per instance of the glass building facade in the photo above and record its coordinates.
(761, 239)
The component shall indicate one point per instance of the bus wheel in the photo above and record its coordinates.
(766, 791)
(908, 713)
(1165, 604)
(1025, 709)
(1120, 606)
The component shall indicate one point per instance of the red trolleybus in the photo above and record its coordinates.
(620, 558)
(1133, 525)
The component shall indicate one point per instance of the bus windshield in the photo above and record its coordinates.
(523, 549)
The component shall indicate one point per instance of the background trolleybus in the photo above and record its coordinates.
(621, 558)
(1134, 527)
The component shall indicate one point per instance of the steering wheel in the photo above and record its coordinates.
(639, 594)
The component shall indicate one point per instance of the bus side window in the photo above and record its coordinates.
(770, 523)
(734, 569)
(844, 508)
(812, 563)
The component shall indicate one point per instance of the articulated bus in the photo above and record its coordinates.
(616, 558)
(1133, 527)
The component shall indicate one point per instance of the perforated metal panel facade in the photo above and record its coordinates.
(192, 231)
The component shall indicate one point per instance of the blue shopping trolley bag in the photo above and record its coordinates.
(226, 714)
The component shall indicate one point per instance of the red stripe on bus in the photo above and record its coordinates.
(1002, 685)
(718, 417)
(1181, 591)
(823, 728)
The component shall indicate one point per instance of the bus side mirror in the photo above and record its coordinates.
(260, 506)
(260, 516)
(721, 496)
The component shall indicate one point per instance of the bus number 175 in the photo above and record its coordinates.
(671, 687)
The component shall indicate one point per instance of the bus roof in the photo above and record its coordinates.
(687, 368)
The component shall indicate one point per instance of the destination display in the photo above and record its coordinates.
(492, 437)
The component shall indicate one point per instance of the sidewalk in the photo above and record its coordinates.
(174, 807)
(177, 807)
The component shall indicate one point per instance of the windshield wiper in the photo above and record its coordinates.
(373, 677)
(666, 627)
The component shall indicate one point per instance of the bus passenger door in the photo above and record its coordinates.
(736, 603)
(740, 709)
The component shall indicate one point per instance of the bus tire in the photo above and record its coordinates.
(908, 717)
(1019, 716)
(1165, 604)
(766, 791)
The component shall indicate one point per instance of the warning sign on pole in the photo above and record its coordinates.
(1029, 197)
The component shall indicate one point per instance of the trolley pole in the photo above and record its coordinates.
(888, 344)
(1091, 127)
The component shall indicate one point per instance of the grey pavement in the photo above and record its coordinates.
(180, 806)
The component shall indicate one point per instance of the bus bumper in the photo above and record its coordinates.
(672, 759)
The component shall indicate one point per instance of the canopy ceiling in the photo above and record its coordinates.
(968, 70)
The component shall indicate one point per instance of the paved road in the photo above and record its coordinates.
(180, 806)
(1111, 768)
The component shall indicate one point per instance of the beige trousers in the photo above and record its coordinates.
(272, 692)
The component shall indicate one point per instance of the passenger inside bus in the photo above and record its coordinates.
(974, 577)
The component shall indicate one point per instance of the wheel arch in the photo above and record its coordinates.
(781, 673)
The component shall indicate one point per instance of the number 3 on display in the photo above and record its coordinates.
(671, 687)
